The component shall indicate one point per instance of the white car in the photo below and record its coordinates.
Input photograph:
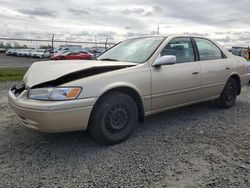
(10, 52)
(40, 53)
(29, 53)
(22, 52)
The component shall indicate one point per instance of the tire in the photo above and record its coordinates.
(228, 95)
(113, 118)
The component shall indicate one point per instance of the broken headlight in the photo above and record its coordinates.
(55, 94)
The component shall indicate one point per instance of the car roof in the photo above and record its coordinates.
(170, 35)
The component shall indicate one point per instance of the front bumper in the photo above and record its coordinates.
(51, 116)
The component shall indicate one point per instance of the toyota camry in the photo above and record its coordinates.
(135, 78)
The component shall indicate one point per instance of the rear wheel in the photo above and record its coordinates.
(228, 95)
(113, 118)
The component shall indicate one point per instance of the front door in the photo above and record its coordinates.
(177, 84)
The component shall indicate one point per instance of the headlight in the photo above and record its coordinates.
(55, 94)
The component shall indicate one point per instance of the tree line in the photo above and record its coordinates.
(21, 46)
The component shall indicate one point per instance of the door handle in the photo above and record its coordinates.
(227, 68)
(194, 73)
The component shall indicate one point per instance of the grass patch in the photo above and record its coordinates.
(11, 74)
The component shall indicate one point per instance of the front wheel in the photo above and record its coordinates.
(113, 118)
(228, 95)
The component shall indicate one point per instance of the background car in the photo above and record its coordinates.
(96, 50)
(76, 55)
(68, 48)
(29, 53)
(11, 52)
(22, 52)
(58, 54)
(3, 50)
(40, 53)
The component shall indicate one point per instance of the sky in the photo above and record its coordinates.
(226, 21)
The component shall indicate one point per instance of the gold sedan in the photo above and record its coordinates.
(136, 78)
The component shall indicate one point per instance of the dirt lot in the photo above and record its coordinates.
(13, 62)
(195, 146)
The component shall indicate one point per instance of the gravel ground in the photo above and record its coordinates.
(195, 146)
(13, 62)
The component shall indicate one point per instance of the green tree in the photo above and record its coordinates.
(45, 46)
(17, 45)
(1, 45)
(8, 45)
(24, 46)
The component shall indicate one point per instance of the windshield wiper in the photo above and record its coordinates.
(108, 59)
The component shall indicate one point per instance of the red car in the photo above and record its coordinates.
(73, 56)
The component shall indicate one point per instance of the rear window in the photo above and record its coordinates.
(208, 50)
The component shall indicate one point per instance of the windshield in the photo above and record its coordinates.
(137, 50)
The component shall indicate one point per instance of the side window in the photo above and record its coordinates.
(207, 50)
(182, 48)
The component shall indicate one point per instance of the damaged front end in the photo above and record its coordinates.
(55, 73)
(17, 89)
(78, 75)
(44, 80)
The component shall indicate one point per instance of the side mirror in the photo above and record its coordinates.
(165, 60)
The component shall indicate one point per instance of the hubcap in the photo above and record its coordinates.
(117, 118)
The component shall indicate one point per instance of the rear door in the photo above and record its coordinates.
(215, 68)
(176, 84)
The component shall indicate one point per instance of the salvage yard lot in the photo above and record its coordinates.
(13, 68)
(195, 146)
(14, 62)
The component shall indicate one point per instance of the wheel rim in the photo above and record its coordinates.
(229, 93)
(116, 119)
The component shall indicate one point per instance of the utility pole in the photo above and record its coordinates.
(106, 43)
(158, 29)
(52, 44)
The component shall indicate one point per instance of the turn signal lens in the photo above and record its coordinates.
(65, 93)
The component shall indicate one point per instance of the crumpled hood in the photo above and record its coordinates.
(45, 71)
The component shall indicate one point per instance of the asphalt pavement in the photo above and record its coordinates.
(17, 62)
